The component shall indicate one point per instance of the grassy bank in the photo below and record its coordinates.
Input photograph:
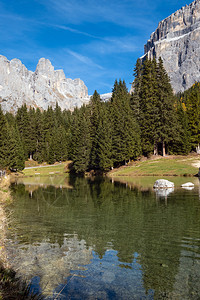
(161, 166)
(11, 287)
(45, 170)
(4, 189)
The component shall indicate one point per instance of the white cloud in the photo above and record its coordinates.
(84, 59)
(123, 13)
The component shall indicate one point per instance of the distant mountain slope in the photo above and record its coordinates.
(177, 41)
(41, 88)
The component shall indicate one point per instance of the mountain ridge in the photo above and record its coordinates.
(41, 88)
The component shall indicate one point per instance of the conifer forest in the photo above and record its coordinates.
(103, 135)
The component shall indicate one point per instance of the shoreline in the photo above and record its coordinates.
(11, 287)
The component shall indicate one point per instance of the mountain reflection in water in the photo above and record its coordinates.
(103, 240)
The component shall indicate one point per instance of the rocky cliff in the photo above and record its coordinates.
(177, 41)
(41, 88)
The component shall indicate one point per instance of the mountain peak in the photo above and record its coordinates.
(177, 41)
(41, 88)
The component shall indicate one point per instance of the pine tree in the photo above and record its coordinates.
(4, 150)
(126, 137)
(167, 127)
(40, 138)
(82, 146)
(23, 124)
(95, 107)
(136, 85)
(192, 103)
(32, 133)
(16, 159)
(104, 138)
(148, 106)
(181, 142)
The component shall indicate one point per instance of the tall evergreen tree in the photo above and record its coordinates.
(95, 107)
(16, 158)
(23, 124)
(167, 127)
(126, 138)
(4, 149)
(148, 106)
(104, 138)
(191, 98)
(83, 143)
(136, 86)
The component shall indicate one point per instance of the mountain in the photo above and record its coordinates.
(41, 88)
(177, 41)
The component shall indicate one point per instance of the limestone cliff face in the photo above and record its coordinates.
(177, 41)
(41, 88)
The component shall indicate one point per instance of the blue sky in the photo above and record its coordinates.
(95, 40)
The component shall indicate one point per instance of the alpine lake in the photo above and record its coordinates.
(75, 238)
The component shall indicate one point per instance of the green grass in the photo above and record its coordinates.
(47, 170)
(159, 167)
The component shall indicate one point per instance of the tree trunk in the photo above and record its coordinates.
(163, 146)
(31, 156)
(155, 152)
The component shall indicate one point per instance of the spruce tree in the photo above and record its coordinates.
(181, 142)
(148, 106)
(126, 137)
(136, 85)
(23, 124)
(16, 159)
(191, 98)
(167, 126)
(95, 107)
(40, 138)
(82, 146)
(104, 138)
(4, 149)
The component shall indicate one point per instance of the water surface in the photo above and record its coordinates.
(96, 239)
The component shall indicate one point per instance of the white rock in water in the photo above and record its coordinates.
(164, 192)
(163, 184)
(187, 184)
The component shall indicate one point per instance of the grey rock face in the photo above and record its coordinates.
(41, 88)
(177, 42)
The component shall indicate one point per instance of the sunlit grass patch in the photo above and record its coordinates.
(161, 166)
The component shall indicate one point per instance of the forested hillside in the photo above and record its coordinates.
(102, 135)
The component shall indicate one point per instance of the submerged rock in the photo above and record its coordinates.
(164, 192)
(163, 184)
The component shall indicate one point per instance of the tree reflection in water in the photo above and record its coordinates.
(113, 236)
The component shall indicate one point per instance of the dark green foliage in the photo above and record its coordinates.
(95, 107)
(148, 106)
(11, 149)
(104, 138)
(167, 129)
(153, 104)
(181, 145)
(191, 99)
(81, 141)
(126, 137)
(24, 127)
(4, 150)
(16, 161)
